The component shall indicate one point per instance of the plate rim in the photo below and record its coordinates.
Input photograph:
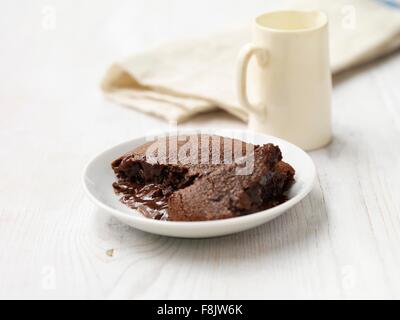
(268, 213)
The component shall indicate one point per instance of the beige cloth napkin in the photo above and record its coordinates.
(179, 80)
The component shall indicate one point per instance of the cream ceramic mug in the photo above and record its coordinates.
(291, 76)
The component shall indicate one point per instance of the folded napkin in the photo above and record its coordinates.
(179, 80)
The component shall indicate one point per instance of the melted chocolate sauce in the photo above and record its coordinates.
(148, 199)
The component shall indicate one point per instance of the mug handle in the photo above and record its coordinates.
(245, 55)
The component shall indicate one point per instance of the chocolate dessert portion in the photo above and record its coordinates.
(202, 177)
(225, 194)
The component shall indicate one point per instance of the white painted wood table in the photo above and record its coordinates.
(341, 242)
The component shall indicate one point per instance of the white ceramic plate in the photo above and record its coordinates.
(98, 178)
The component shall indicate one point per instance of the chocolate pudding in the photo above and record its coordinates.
(202, 177)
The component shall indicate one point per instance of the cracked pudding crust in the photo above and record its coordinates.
(202, 177)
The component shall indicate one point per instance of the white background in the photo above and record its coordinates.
(341, 242)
